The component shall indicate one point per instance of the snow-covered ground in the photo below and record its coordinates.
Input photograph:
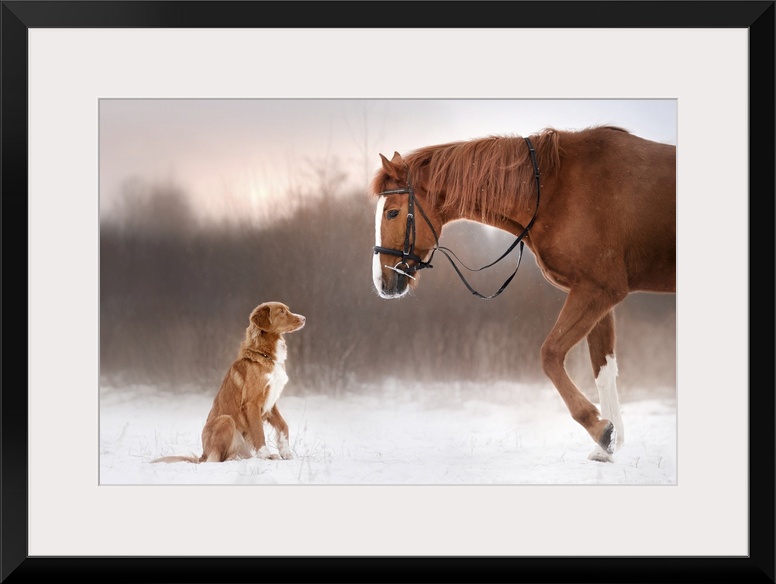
(502, 433)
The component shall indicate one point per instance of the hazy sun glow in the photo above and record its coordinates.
(234, 157)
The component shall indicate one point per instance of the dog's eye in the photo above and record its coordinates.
(392, 214)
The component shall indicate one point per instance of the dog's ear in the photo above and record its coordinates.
(262, 317)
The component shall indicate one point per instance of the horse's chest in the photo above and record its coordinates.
(554, 276)
(276, 378)
(556, 279)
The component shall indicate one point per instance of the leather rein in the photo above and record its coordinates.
(407, 253)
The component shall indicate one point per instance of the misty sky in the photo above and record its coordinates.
(226, 153)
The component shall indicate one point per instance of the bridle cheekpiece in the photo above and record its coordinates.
(408, 251)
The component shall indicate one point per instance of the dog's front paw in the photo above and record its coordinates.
(283, 447)
(265, 454)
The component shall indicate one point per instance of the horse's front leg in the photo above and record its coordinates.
(600, 343)
(583, 309)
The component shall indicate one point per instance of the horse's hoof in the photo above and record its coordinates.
(608, 439)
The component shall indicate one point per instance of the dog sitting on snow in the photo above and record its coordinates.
(249, 392)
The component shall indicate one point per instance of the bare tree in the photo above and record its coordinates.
(175, 295)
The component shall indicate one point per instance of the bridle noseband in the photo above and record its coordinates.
(408, 251)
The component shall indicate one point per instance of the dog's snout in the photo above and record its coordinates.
(301, 319)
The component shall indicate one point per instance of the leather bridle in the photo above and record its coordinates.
(407, 253)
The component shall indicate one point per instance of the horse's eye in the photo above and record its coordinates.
(392, 214)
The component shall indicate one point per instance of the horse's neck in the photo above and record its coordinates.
(513, 225)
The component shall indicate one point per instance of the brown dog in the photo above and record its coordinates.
(249, 392)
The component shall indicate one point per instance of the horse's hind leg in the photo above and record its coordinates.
(600, 342)
(584, 308)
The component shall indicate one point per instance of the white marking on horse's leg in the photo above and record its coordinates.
(606, 382)
(377, 269)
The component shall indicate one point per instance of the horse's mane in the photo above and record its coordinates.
(502, 177)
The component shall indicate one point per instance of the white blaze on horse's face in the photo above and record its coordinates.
(377, 269)
(390, 285)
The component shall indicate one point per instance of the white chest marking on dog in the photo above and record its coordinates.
(280, 351)
(277, 378)
(377, 270)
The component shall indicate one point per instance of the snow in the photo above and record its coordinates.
(391, 434)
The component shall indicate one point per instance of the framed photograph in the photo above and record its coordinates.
(195, 179)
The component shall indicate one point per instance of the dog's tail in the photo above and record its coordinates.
(193, 459)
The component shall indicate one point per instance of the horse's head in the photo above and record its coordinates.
(403, 244)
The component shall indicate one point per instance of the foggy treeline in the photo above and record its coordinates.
(176, 292)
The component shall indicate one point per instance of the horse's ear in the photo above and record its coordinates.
(389, 168)
(392, 167)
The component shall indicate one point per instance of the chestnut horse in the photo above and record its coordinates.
(597, 207)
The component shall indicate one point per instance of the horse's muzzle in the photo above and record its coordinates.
(394, 282)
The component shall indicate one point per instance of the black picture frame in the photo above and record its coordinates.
(757, 17)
